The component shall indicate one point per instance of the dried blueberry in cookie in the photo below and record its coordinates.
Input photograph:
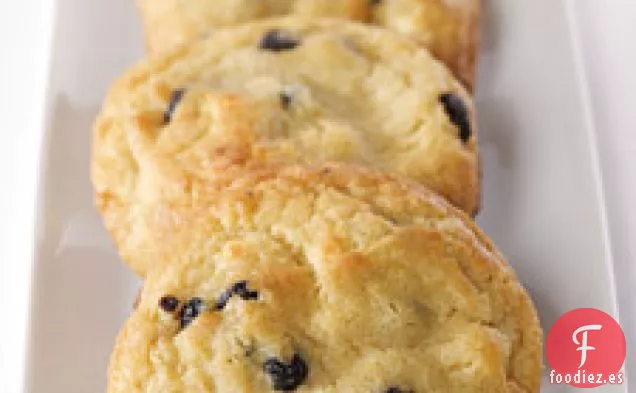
(285, 99)
(190, 311)
(175, 99)
(239, 289)
(394, 389)
(286, 377)
(458, 114)
(277, 40)
(222, 301)
(169, 303)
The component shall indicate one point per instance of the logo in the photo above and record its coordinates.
(586, 348)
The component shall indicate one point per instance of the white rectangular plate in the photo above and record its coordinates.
(543, 200)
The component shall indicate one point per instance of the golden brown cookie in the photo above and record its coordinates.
(287, 92)
(449, 28)
(328, 280)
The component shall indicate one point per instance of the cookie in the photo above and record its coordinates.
(287, 92)
(326, 280)
(449, 28)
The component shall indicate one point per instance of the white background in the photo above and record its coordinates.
(608, 41)
(24, 28)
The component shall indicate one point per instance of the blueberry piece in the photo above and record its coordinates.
(285, 99)
(458, 114)
(375, 2)
(278, 41)
(191, 311)
(393, 389)
(222, 301)
(286, 377)
(239, 289)
(169, 303)
(175, 99)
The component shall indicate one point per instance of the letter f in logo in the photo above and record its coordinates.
(583, 344)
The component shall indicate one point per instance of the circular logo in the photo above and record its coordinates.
(585, 348)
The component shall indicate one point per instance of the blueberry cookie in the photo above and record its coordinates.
(331, 279)
(286, 92)
(449, 28)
